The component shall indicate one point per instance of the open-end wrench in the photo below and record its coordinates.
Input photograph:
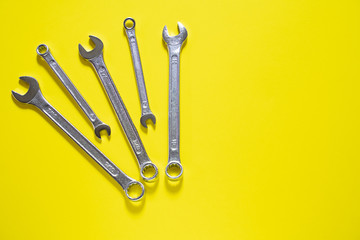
(134, 49)
(43, 51)
(35, 97)
(95, 56)
(174, 44)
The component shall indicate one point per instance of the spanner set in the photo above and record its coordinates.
(148, 170)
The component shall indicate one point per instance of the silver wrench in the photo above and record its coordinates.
(43, 51)
(174, 44)
(35, 97)
(134, 49)
(148, 170)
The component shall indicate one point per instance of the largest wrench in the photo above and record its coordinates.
(96, 58)
(35, 97)
(174, 44)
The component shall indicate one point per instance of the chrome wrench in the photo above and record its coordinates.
(43, 51)
(174, 44)
(148, 170)
(35, 97)
(134, 49)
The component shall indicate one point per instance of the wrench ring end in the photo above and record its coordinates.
(129, 187)
(176, 165)
(129, 19)
(147, 166)
(42, 49)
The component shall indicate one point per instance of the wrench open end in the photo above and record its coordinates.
(100, 127)
(135, 191)
(146, 117)
(178, 39)
(174, 170)
(31, 93)
(93, 53)
(149, 172)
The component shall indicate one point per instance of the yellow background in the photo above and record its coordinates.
(269, 121)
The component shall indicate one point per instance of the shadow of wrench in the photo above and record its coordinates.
(35, 97)
(148, 170)
(174, 44)
(43, 51)
(134, 49)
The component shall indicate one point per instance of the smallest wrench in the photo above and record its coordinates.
(43, 51)
(135, 55)
(34, 97)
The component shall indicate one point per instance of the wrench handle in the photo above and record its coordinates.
(119, 176)
(174, 114)
(135, 55)
(47, 56)
(121, 112)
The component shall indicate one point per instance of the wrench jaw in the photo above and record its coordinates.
(147, 116)
(102, 126)
(31, 93)
(93, 53)
(175, 40)
(174, 167)
(137, 195)
(149, 169)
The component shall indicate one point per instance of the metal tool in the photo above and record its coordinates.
(134, 49)
(95, 56)
(174, 44)
(43, 51)
(35, 97)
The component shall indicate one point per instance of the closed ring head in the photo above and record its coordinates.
(174, 170)
(42, 49)
(135, 190)
(129, 19)
(149, 172)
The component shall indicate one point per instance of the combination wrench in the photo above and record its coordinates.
(148, 170)
(174, 44)
(43, 51)
(135, 55)
(35, 97)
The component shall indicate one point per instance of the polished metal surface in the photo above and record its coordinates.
(96, 59)
(43, 51)
(135, 55)
(35, 97)
(174, 44)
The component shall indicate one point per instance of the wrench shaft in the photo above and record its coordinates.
(174, 113)
(134, 49)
